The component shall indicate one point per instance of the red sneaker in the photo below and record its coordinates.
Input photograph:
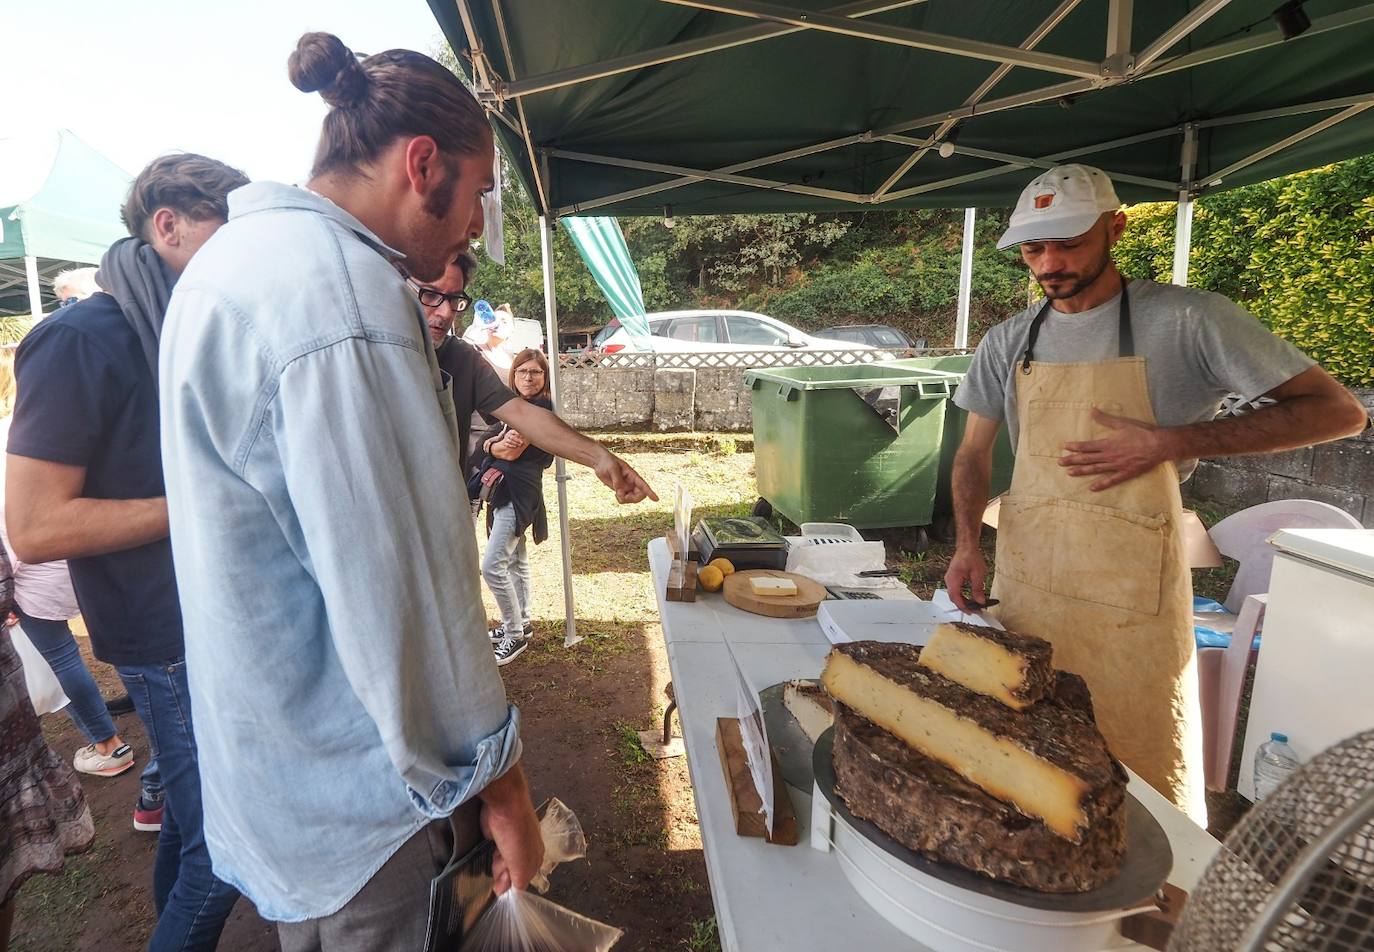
(147, 819)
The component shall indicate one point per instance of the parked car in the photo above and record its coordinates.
(708, 330)
(878, 335)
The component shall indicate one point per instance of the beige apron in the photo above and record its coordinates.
(1102, 575)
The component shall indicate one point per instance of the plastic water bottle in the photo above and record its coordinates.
(1274, 761)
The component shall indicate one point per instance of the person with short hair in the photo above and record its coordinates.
(322, 541)
(1110, 390)
(85, 484)
(73, 284)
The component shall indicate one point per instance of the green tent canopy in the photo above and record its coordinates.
(601, 244)
(623, 107)
(59, 206)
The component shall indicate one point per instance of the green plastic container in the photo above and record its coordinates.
(822, 453)
(955, 418)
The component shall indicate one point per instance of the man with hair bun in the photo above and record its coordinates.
(323, 542)
(85, 484)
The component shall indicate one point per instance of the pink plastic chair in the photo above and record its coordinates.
(1244, 537)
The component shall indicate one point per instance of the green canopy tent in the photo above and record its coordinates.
(59, 206)
(648, 107)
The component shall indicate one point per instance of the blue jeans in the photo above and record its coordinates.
(191, 902)
(506, 568)
(55, 643)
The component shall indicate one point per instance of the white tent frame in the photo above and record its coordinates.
(769, 20)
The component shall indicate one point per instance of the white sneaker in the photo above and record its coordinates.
(509, 649)
(89, 761)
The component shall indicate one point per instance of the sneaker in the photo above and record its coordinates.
(509, 649)
(498, 634)
(90, 761)
(120, 705)
(147, 819)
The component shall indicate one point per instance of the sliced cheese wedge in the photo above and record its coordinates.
(1048, 761)
(1013, 668)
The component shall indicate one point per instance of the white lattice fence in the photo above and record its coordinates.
(727, 359)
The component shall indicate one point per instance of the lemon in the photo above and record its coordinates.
(711, 578)
(725, 565)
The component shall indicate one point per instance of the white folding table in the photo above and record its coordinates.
(796, 898)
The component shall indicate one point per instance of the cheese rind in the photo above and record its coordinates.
(1048, 761)
(1012, 668)
(770, 587)
(927, 807)
(809, 704)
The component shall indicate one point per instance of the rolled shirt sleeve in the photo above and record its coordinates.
(368, 460)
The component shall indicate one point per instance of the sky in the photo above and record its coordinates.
(138, 78)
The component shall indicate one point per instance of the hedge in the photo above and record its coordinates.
(1298, 252)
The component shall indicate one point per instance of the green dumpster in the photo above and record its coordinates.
(955, 417)
(855, 444)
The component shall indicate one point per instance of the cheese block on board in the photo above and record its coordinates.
(1049, 761)
(772, 587)
(1013, 668)
(810, 705)
(929, 808)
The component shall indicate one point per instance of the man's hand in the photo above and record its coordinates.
(629, 486)
(508, 819)
(1133, 448)
(967, 567)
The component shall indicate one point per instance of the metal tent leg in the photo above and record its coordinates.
(965, 280)
(35, 289)
(546, 227)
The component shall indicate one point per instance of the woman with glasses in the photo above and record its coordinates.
(515, 505)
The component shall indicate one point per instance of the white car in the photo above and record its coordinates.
(675, 331)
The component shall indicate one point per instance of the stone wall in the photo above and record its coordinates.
(661, 399)
(1340, 473)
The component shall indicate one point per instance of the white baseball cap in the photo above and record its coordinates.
(1061, 203)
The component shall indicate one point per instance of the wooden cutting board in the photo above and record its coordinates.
(801, 605)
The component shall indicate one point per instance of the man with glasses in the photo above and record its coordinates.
(477, 391)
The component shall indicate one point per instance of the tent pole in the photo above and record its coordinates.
(546, 227)
(35, 289)
(965, 280)
(1183, 222)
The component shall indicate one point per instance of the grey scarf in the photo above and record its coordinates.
(141, 284)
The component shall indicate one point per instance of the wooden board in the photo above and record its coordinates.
(744, 796)
(801, 605)
(681, 584)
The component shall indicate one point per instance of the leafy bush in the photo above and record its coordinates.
(1298, 252)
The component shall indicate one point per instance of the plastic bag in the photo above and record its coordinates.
(563, 841)
(519, 921)
(44, 690)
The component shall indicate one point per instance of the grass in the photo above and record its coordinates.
(704, 937)
(61, 901)
(631, 749)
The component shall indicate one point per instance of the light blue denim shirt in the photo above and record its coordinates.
(342, 682)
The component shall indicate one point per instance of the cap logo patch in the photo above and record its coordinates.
(1044, 200)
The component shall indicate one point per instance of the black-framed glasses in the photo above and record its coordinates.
(433, 297)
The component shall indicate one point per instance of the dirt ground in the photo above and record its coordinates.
(581, 707)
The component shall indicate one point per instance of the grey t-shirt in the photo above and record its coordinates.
(1198, 347)
(477, 389)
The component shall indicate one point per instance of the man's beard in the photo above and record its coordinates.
(1077, 284)
(429, 253)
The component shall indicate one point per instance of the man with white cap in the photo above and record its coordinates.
(1109, 390)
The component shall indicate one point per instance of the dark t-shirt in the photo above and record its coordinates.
(477, 389)
(86, 398)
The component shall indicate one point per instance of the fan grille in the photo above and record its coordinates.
(1298, 871)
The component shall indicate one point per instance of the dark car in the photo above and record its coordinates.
(876, 335)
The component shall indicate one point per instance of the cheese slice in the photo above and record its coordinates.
(772, 587)
(1050, 762)
(1012, 668)
(809, 705)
